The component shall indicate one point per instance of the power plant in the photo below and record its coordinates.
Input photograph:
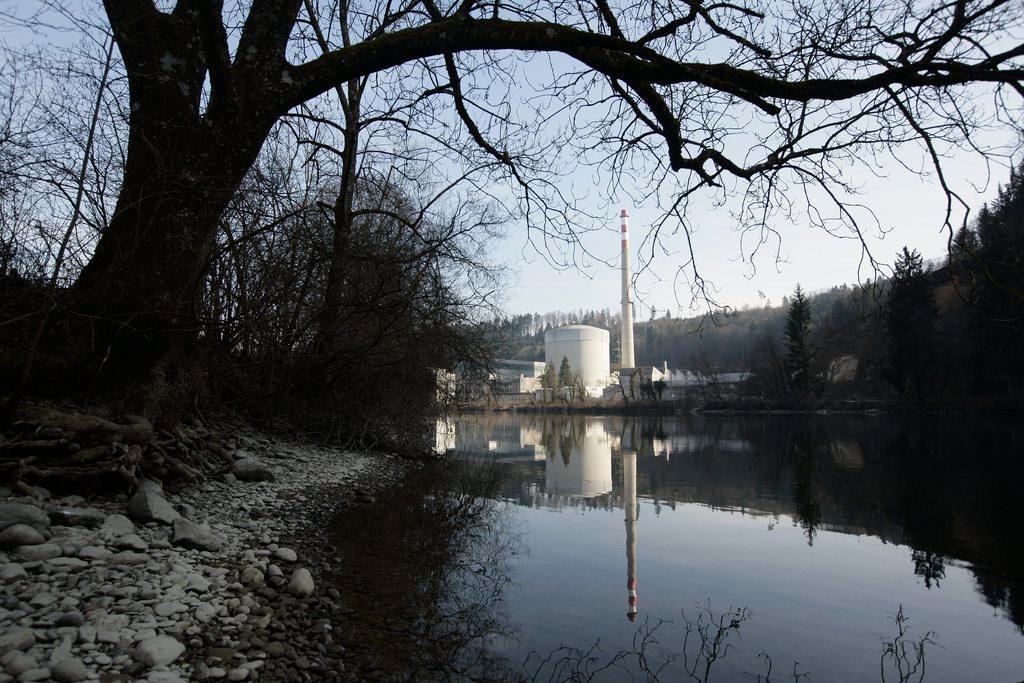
(587, 351)
(585, 347)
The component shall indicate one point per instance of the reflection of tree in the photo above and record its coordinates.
(947, 488)
(425, 571)
(929, 566)
(807, 510)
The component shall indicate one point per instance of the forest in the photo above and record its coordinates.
(286, 210)
(946, 333)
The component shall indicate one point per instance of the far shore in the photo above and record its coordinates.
(767, 408)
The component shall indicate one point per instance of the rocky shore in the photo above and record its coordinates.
(220, 580)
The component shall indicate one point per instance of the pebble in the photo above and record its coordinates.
(20, 534)
(12, 572)
(159, 651)
(69, 670)
(117, 525)
(15, 662)
(23, 513)
(148, 505)
(101, 590)
(286, 554)
(43, 551)
(131, 542)
(300, 584)
(204, 612)
(251, 577)
(16, 639)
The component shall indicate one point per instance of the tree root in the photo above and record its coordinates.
(74, 450)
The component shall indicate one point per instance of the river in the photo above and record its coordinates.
(558, 547)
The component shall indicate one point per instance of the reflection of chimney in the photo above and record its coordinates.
(630, 503)
(627, 297)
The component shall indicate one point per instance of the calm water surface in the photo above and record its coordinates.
(552, 547)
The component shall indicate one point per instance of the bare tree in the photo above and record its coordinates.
(771, 103)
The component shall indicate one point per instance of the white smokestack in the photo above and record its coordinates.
(627, 297)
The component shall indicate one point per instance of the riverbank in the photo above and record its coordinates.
(218, 580)
(761, 407)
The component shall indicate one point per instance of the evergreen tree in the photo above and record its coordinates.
(549, 380)
(798, 347)
(565, 373)
(910, 317)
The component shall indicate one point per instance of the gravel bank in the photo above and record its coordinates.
(217, 581)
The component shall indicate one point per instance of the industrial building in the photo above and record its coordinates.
(587, 349)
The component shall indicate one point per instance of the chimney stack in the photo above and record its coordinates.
(627, 360)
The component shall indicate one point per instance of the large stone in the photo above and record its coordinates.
(188, 534)
(16, 662)
(44, 551)
(251, 577)
(16, 639)
(130, 542)
(20, 534)
(159, 651)
(166, 609)
(150, 485)
(69, 670)
(301, 584)
(69, 562)
(23, 513)
(128, 557)
(286, 554)
(12, 572)
(87, 517)
(204, 612)
(250, 469)
(94, 552)
(116, 526)
(150, 506)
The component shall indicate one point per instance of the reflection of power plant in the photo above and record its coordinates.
(581, 464)
(577, 460)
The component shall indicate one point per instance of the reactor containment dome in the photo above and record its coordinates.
(586, 348)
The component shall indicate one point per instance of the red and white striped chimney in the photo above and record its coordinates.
(627, 360)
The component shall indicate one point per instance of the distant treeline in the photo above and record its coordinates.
(948, 333)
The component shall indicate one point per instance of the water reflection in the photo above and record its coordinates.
(632, 513)
(945, 487)
(425, 570)
(823, 527)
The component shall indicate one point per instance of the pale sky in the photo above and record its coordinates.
(910, 207)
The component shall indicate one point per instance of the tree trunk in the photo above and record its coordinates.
(138, 292)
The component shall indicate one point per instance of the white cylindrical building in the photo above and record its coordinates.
(586, 348)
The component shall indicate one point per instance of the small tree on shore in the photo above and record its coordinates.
(549, 380)
(910, 318)
(798, 349)
(565, 373)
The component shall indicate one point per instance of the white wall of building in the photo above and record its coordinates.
(587, 349)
